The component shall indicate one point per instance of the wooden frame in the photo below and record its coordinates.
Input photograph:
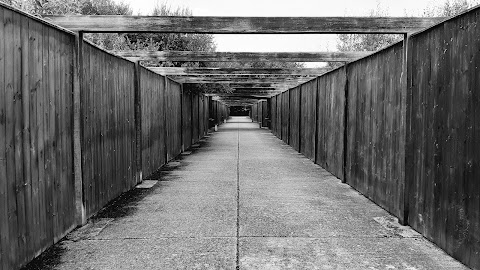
(181, 71)
(244, 25)
(199, 56)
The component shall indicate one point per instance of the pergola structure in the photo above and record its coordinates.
(247, 84)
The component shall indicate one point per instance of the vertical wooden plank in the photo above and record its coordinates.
(405, 125)
(13, 131)
(138, 122)
(40, 86)
(78, 115)
(26, 182)
(47, 192)
(62, 177)
(32, 88)
(345, 123)
(4, 222)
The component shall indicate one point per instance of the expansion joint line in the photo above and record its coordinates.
(238, 198)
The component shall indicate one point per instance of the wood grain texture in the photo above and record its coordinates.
(445, 128)
(273, 115)
(173, 118)
(239, 80)
(286, 116)
(374, 158)
(294, 121)
(237, 71)
(187, 126)
(110, 130)
(202, 56)
(36, 67)
(308, 118)
(330, 123)
(243, 25)
(153, 108)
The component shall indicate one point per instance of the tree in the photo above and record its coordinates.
(374, 42)
(171, 42)
(450, 8)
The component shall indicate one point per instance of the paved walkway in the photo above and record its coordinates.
(245, 199)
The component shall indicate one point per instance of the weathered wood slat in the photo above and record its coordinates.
(444, 200)
(286, 116)
(242, 80)
(202, 56)
(4, 237)
(308, 118)
(179, 71)
(243, 25)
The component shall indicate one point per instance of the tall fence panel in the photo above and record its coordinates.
(375, 160)
(107, 100)
(37, 198)
(445, 137)
(173, 119)
(152, 88)
(286, 116)
(202, 123)
(206, 117)
(187, 119)
(308, 118)
(273, 112)
(278, 115)
(195, 119)
(330, 123)
(294, 135)
(265, 113)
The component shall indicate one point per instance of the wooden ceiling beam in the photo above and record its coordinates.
(199, 56)
(242, 80)
(184, 71)
(243, 25)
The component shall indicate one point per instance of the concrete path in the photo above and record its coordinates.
(244, 199)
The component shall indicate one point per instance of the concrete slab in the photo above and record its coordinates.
(343, 253)
(154, 254)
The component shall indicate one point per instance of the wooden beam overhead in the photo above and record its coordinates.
(241, 80)
(242, 77)
(184, 71)
(243, 25)
(199, 56)
(239, 93)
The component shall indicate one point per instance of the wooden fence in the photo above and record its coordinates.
(131, 121)
(37, 197)
(402, 127)
(443, 145)
(260, 112)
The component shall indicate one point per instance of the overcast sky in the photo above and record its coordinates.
(293, 8)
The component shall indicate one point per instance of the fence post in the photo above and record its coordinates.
(138, 123)
(405, 123)
(345, 126)
(80, 215)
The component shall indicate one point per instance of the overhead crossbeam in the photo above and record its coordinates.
(185, 71)
(243, 25)
(242, 77)
(199, 56)
(240, 80)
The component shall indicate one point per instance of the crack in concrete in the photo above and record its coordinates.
(238, 199)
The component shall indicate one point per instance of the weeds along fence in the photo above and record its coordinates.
(402, 127)
(78, 126)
